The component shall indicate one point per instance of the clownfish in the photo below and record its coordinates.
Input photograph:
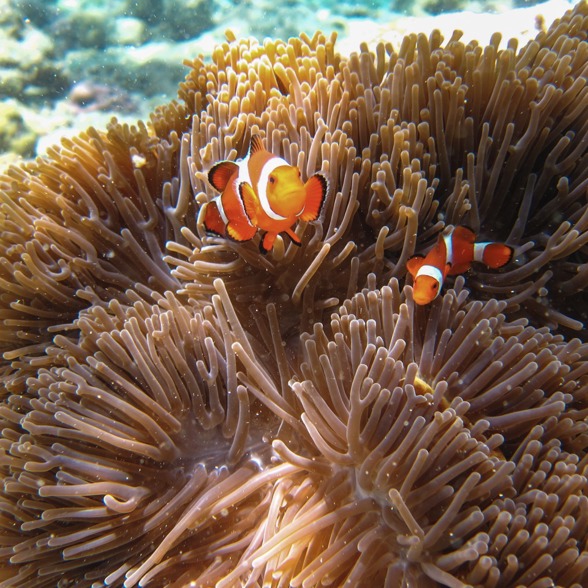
(453, 254)
(263, 192)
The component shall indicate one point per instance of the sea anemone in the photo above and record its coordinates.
(162, 445)
(179, 409)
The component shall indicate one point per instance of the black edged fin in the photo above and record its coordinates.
(241, 231)
(213, 222)
(294, 238)
(220, 174)
(256, 144)
(249, 201)
(316, 187)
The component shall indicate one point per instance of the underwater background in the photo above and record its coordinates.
(66, 65)
(180, 408)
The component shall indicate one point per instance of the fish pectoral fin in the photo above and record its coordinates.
(220, 174)
(414, 264)
(316, 192)
(240, 231)
(250, 202)
(497, 254)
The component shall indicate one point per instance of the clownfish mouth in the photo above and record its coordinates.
(287, 199)
(422, 298)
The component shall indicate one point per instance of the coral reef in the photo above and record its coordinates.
(47, 47)
(15, 135)
(27, 67)
(178, 408)
(88, 96)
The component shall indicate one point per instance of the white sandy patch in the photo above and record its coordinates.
(522, 23)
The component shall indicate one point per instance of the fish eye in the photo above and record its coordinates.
(435, 286)
(272, 180)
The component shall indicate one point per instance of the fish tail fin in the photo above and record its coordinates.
(316, 192)
(213, 222)
(497, 254)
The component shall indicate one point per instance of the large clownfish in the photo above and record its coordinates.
(264, 192)
(452, 255)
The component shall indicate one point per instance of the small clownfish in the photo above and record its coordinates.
(452, 255)
(264, 192)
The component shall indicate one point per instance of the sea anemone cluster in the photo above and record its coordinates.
(179, 409)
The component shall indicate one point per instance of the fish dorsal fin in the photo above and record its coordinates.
(316, 191)
(414, 264)
(256, 144)
(465, 233)
(220, 174)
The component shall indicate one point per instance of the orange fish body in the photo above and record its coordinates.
(453, 254)
(261, 192)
